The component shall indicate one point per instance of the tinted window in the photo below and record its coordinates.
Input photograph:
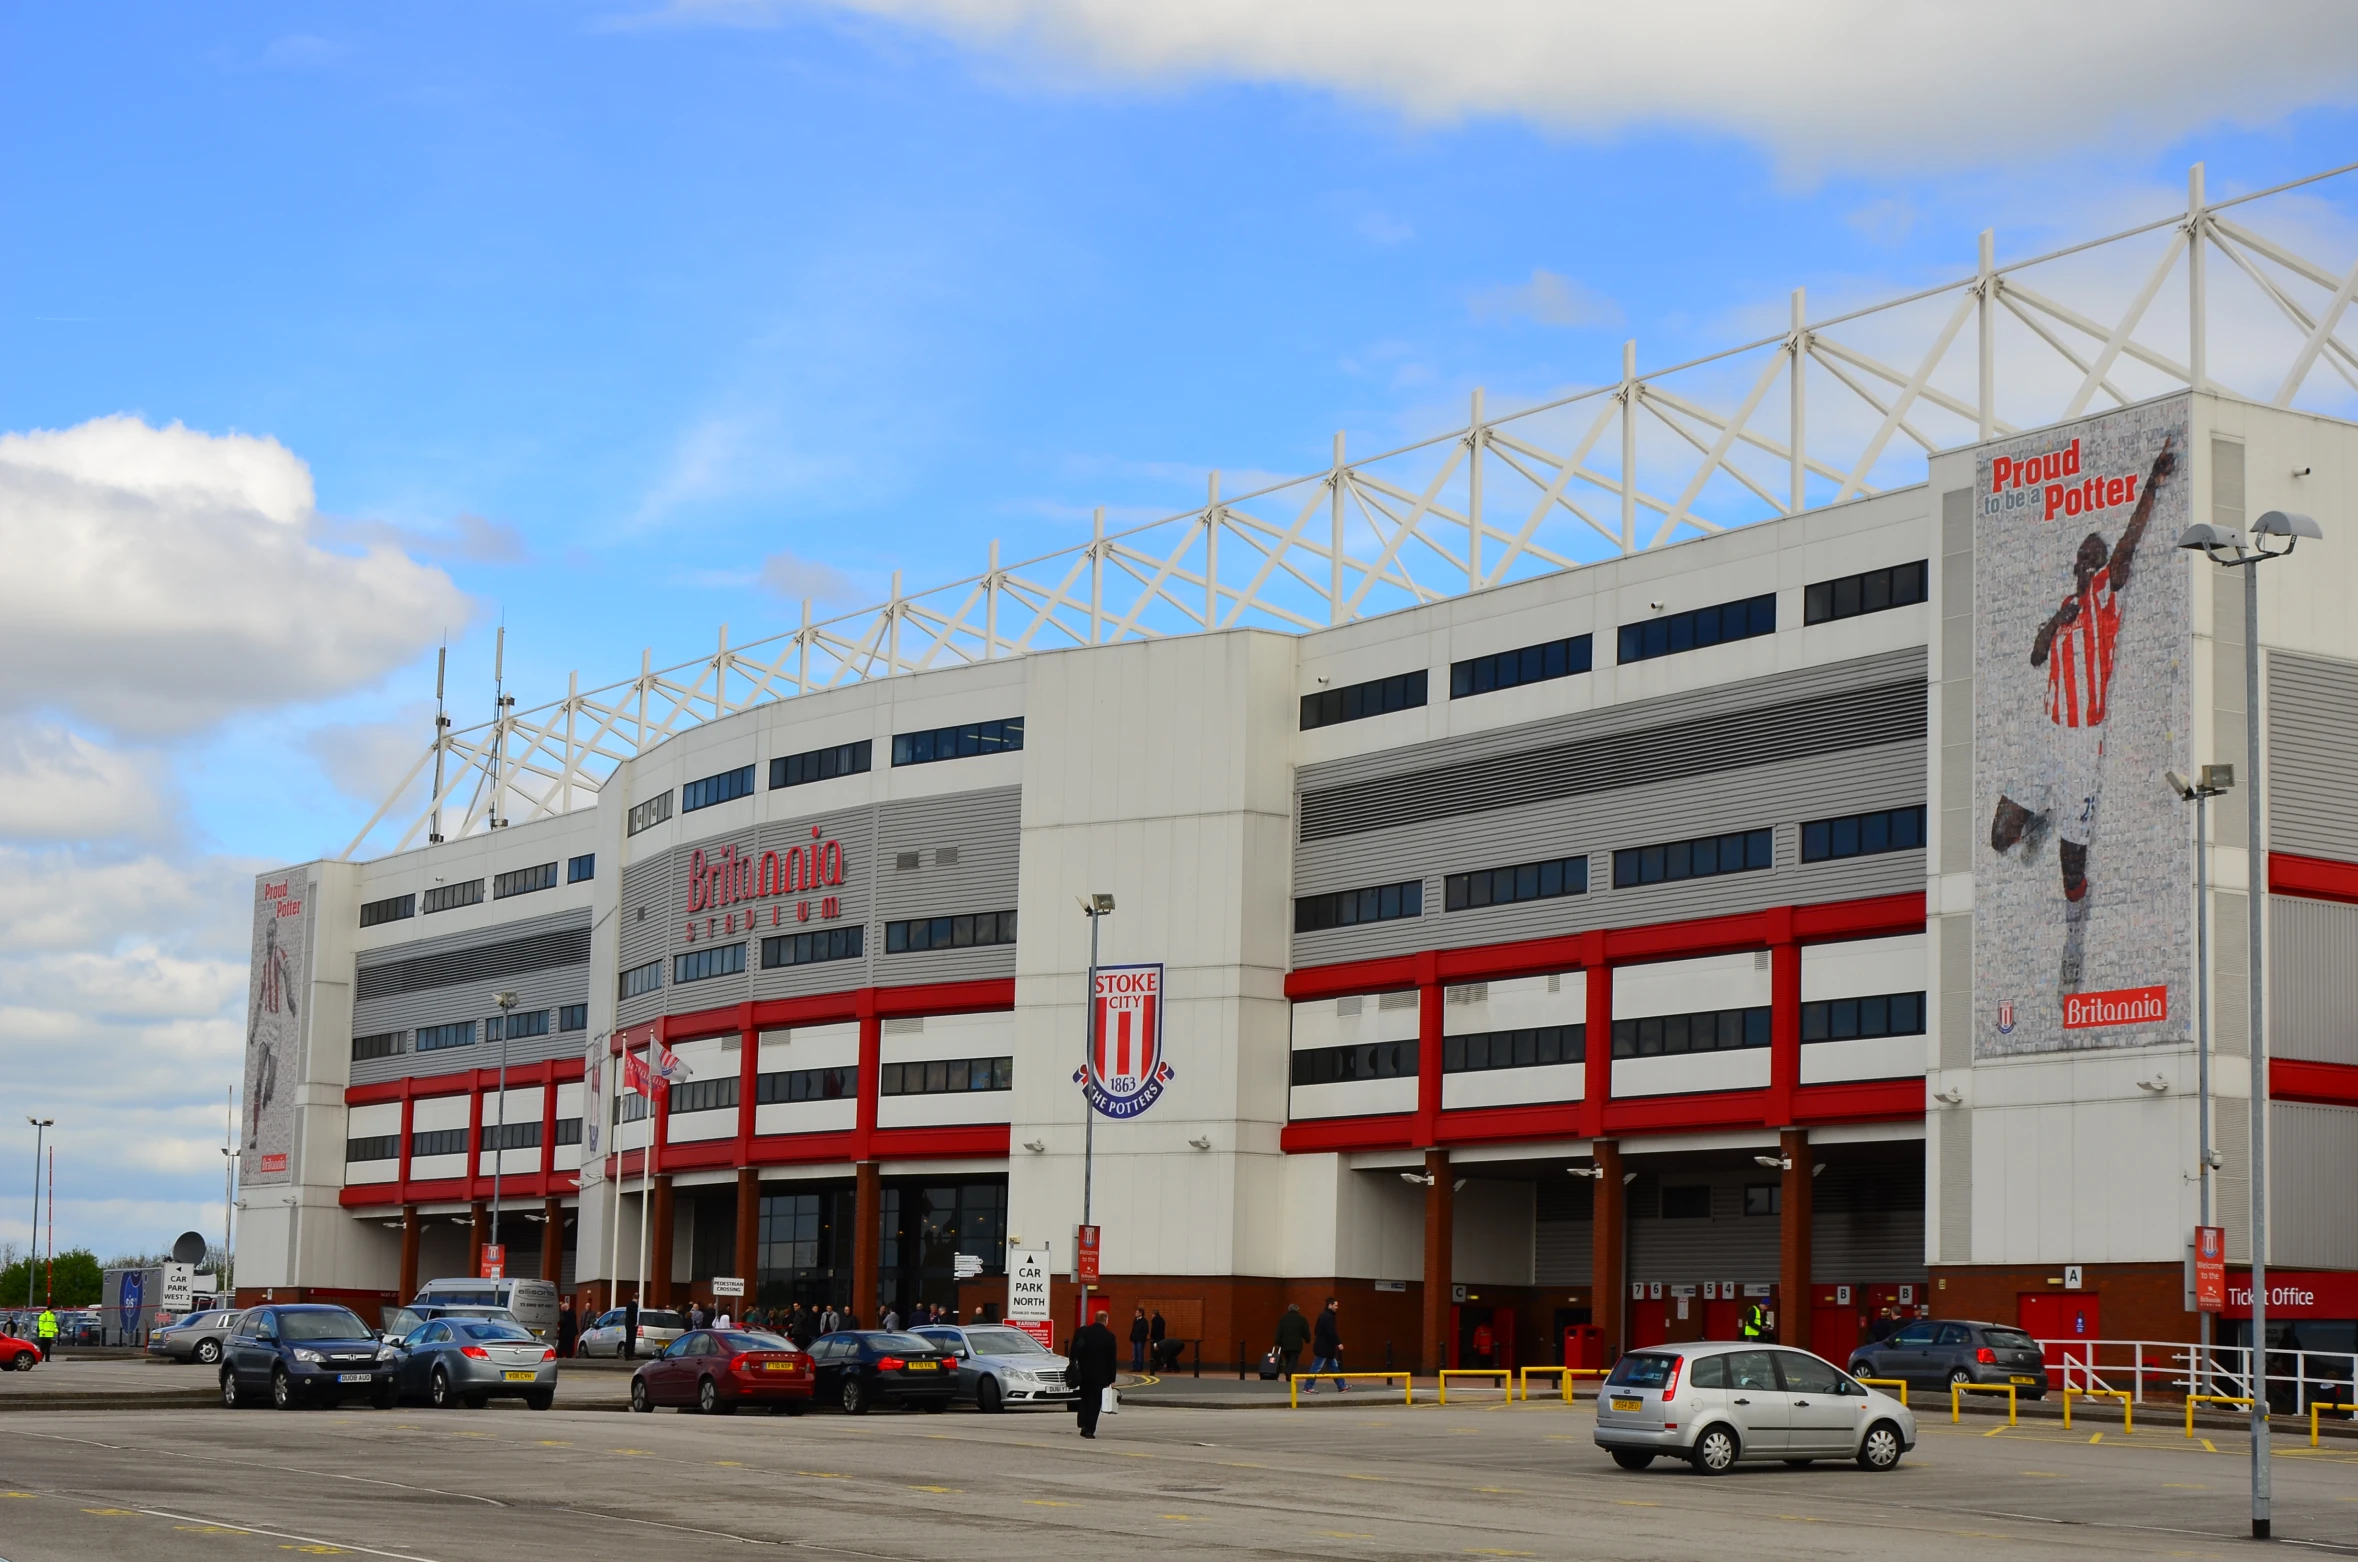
(1955, 1334)
(1710, 1372)
(1808, 1375)
(1752, 1369)
(655, 1320)
(331, 1324)
(487, 1330)
(738, 1342)
(2009, 1339)
(898, 1342)
(1004, 1342)
(1642, 1371)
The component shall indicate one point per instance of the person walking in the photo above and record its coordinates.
(568, 1328)
(1138, 1338)
(630, 1329)
(45, 1330)
(1155, 1330)
(1094, 1361)
(1293, 1333)
(830, 1319)
(891, 1321)
(1326, 1346)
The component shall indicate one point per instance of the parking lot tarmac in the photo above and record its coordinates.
(1483, 1481)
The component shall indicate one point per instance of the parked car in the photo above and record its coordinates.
(472, 1361)
(999, 1366)
(1952, 1350)
(716, 1370)
(533, 1302)
(195, 1337)
(1715, 1403)
(657, 1329)
(860, 1368)
(18, 1355)
(301, 1352)
(400, 1322)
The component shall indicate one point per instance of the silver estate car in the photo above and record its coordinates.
(470, 1361)
(196, 1337)
(657, 1328)
(1717, 1403)
(1000, 1366)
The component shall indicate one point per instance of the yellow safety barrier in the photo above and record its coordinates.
(1564, 1377)
(2316, 1405)
(1899, 1383)
(1958, 1391)
(1503, 1376)
(2192, 1400)
(2128, 1425)
(1293, 1384)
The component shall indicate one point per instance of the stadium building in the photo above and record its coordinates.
(1794, 912)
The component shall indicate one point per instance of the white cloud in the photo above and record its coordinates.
(364, 760)
(1852, 83)
(161, 577)
(56, 784)
(1549, 298)
(794, 577)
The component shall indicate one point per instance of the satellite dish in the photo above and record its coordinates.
(189, 1248)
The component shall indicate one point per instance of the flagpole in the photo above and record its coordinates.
(608, 1087)
(646, 1185)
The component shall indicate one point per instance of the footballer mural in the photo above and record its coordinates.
(2082, 699)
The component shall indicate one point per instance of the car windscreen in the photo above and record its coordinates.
(902, 1342)
(1642, 1370)
(2009, 1339)
(1004, 1342)
(335, 1324)
(753, 1342)
(655, 1320)
(488, 1329)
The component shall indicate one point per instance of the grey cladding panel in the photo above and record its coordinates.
(1955, 1130)
(1680, 749)
(2312, 1165)
(465, 969)
(982, 832)
(1563, 1252)
(2312, 979)
(2312, 756)
(1729, 1246)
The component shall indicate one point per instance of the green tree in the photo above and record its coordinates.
(77, 1281)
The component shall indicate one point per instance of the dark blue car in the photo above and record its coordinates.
(304, 1353)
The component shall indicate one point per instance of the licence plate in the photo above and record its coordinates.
(352, 1377)
(2020, 1379)
(777, 1366)
(1629, 1404)
(924, 1366)
(520, 1377)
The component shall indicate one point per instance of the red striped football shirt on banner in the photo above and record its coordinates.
(2079, 664)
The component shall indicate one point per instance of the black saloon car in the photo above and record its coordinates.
(1941, 1351)
(300, 1354)
(860, 1368)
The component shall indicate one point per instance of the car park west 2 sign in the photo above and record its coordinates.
(1126, 1071)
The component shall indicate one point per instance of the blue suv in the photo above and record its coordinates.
(303, 1353)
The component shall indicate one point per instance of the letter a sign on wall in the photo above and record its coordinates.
(1127, 1070)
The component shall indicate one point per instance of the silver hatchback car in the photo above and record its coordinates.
(1716, 1403)
(999, 1365)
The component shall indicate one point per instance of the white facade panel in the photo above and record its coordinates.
(437, 1168)
(1747, 1069)
(806, 1117)
(1357, 1020)
(1557, 999)
(935, 1036)
(1864, 968)
(1513, 1086)
(1877, 1057)
(428, 1114)
(810, 1046)
(700, 1127)
(1353, 1098)
(947, 1108)
(1690, 986)
(378, 1117)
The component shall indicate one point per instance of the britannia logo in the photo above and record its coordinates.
(1126, 1071)
(2006, 1019)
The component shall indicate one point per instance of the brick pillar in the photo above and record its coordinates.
(552, 1238)
(1794, 1238)
(1440, 1237)
(409, 1250)
(1784, 1032)
(659, 1245)
(480, 1213)
(748, 1232)
(1608, 1237)
(867, 1239)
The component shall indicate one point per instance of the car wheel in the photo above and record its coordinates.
(208, 1351)
(1632, 1458)
(855, 1397)
(1880, 1450)
(708, 1399)
(438, 1392)
(1959, 1375)
(229, 1399)
(27, 1360)
(638, 1397)
(1715, 1451)
(987, 1397)
(282, 1389)
(540, 1399)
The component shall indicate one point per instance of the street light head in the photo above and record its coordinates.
(1100, 904)
(506, 1001)
(2202, 536)
(2179, 786)
(2286, 523)
(1774, 1162)
(2216, 779)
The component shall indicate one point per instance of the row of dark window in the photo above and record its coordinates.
(394, 908)
(704, 1095)
(639, 979)
(821, 764)
(1739, 851)
(726, 787)
(482, 965)
(1358, 701)
(516, 1024)
(647, 815)
(1350, 907)
(712, 960)
(384, 1044)
(435, 1141)
(1692, 1201)
(1531, 1046)
(524, 881)
(1711, 1030)
(1841, 1019)
(433, 1038)
(1870, 592)
(512, 1136)
(960, 742)
(986, 927)
(1524, 881)
(461, 1033)
(1863, 835)
(453, 1141)
(945, 1076)
(1364, 1060)
(449, 897)
(833, 943)
(841, 1083)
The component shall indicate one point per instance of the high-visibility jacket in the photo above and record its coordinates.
(1755, 1322)
(47, 1326)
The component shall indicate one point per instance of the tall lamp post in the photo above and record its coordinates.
(1096, 908)
(42, 1125)
(2225, 547)
(2209, 782)
(499, 1132)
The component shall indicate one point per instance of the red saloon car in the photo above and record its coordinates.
(18, 1355)
(716, 1370)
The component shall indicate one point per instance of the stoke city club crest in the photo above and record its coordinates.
(1127, 1071)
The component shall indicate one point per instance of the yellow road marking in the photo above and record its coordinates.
(317, 1551)
(2044, 1475)
(211, 1529)
(2096, 1437)
(1350, 1477)
(547, 1442)
(934, 1488)
(1344, 1534)
(112, 1513)
(2209, 1447)
(1177, 1518)
(1500, 1491)
(1629, 1502)
(639, 1452)
(1994, 1431)
(15, 1494)
(817, 1475)
(2192, 1486)
(1492, 1551)
(1046, 1502)
(730, 1464)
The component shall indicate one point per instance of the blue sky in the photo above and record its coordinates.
(592, 310)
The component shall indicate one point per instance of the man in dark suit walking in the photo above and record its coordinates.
(1094, 1366)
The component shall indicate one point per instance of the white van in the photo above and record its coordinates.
(534, 1302)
